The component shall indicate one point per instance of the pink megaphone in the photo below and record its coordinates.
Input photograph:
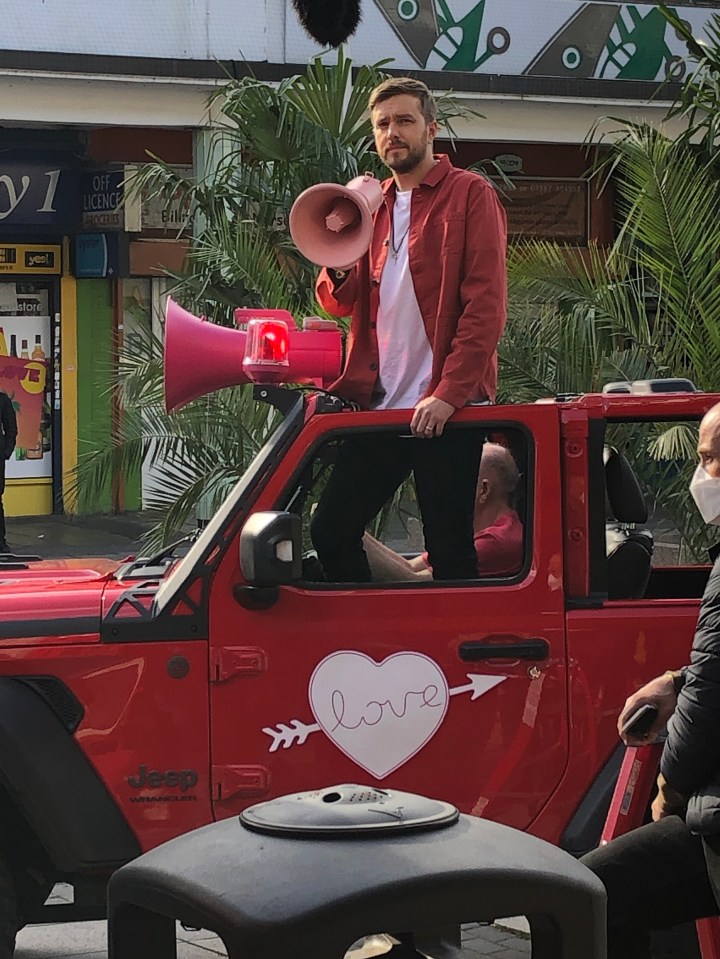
(332, 225)
(201, 357)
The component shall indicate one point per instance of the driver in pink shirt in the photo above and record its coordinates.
(498, 530)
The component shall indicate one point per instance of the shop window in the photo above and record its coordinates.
(25, 350)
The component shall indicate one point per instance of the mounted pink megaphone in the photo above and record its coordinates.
(201, 357)
(332, 225)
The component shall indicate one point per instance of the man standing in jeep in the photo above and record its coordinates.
(428, 305)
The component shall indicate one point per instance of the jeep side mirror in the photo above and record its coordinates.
(271, 549)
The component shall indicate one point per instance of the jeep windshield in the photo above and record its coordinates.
(236, 506)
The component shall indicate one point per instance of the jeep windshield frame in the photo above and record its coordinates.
(232, 512)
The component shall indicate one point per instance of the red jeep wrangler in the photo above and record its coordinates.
(142, 703)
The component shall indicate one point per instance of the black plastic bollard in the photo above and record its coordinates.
(310, 874)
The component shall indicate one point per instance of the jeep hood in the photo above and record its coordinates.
(53, 600)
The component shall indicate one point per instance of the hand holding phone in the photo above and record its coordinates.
(639, 723)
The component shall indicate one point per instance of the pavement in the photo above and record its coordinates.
(54, 537)
(116, 537)
(88, 940)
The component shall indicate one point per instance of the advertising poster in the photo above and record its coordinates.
(24, 366)
(24, 382)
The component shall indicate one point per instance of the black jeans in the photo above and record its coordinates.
(655, 877)
(369, 469)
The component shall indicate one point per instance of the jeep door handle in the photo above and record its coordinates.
(505, 647)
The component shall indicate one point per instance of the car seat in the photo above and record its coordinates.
(628, 543)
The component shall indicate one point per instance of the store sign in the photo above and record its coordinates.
(35, 194)
(23, 299)
(102, 199)
(31, 258)
(100, 255)
(159, 213)
(550, 209)
(509, 163)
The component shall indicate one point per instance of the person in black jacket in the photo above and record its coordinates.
(8, 425)
(668, 871)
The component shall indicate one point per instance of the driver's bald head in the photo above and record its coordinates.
(498, 467)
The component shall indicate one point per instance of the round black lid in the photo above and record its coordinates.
(348, 810)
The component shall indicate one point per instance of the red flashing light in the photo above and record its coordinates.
(266, 350)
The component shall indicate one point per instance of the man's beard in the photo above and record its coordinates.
(407, 163)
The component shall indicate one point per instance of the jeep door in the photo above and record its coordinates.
(457, 691)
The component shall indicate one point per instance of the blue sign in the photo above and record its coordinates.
(38, 193)
(100, 255)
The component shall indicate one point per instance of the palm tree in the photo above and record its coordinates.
(699, 101)
(647, 306)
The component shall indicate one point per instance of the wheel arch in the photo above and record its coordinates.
(51, 786)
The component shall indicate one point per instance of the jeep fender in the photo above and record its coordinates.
(54, 787)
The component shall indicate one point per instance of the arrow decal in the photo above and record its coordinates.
(477, 685)
(284, 736)
(379, 714)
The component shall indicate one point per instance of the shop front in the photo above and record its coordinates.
(38, 207)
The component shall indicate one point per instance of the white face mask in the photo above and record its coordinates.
(705, 491)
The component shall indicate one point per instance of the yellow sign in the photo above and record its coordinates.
(34, 379)
(30, 258)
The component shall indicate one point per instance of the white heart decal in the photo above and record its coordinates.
(378, 714)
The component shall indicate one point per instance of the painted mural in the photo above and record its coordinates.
(602, 40)
(575, 39)
(543, 38)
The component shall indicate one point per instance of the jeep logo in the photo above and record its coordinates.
(156, 778)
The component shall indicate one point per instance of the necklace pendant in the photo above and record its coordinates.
(395, 254)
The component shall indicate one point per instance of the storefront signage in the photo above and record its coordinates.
(23, 299)
(550, 209)
(36, 193)
(100, 255)
(102, 199)
(162, 214)
(31, 258)
(509, 163)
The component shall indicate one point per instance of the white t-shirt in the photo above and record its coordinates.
(405, 352)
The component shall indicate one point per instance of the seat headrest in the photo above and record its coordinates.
(623, 490)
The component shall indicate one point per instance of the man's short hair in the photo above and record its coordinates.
(500, 459)
(397, 86)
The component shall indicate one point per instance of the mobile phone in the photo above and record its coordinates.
(640, 722)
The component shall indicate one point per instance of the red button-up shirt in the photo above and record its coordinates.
(457, 243)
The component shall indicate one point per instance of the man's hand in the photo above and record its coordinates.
(668, 801)
(430, 417)
(661, 693)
